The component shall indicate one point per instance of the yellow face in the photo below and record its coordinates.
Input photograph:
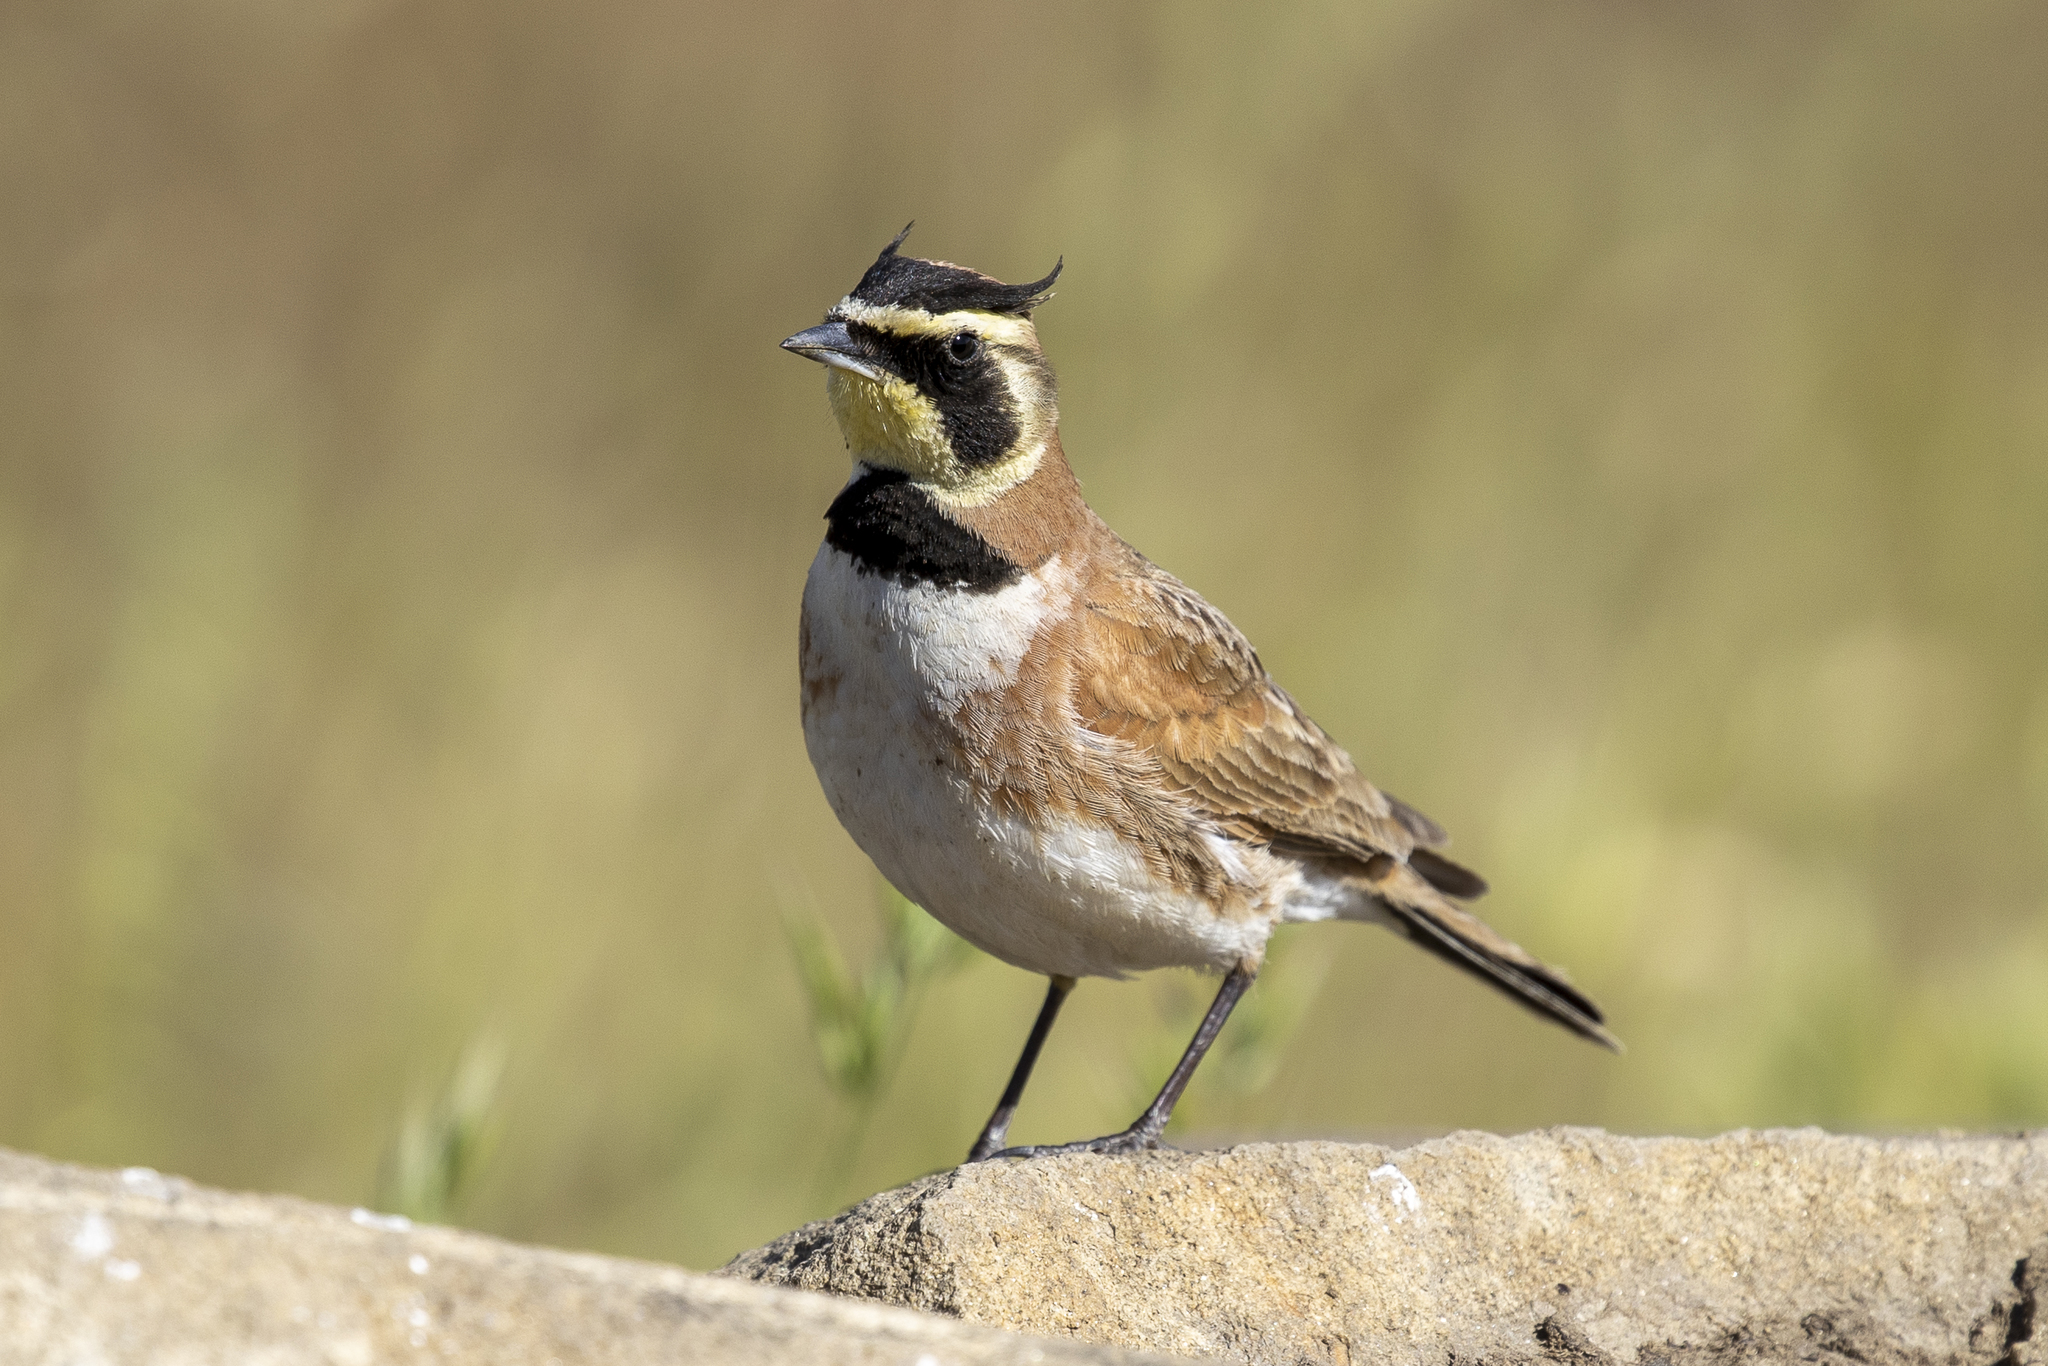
(965, 404)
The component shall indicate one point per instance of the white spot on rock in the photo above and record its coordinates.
(390, 1223)
(123, 1271)
(95, 1237)
(146, 1181)
(1403, 1193)
(417, 1264)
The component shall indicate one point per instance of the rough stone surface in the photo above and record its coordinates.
(106, 1268)
(1570, 1246)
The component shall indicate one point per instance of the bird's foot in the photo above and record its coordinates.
(1136, 1139)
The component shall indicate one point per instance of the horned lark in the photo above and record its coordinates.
(1051, 744)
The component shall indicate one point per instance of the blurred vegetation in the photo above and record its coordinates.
(445, 1140)
(1624, 426)
(861, 1022)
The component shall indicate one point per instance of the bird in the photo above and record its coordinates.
(1059, 750)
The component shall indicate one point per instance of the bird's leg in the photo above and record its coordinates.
(998, 1126)
(1145, 1132)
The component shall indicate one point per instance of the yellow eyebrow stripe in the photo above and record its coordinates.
(915, 322)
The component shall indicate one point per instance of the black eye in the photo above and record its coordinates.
(964, 347)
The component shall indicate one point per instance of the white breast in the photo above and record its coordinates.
(887, 667)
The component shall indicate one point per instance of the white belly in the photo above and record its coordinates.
(886, 668)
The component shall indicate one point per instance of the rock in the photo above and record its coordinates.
(108, 1267)
(1570, 1246)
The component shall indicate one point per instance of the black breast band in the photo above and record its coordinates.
(892, 527)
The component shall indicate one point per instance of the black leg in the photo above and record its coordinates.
(998, 1126)
(1145, 1132)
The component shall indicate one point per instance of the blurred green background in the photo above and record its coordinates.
(1625, 426)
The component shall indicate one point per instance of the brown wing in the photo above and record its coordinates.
(1168, 673)
(1171, 675)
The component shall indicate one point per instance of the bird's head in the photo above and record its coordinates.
(935, 370)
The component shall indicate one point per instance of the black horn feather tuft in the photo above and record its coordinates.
(942, 287)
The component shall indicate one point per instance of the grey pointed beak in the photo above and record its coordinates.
(831, 344)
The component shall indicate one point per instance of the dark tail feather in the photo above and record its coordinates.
(1539, 988)
(1452, 879)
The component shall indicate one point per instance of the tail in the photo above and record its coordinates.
(1411, 904)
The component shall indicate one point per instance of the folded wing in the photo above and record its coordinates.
(1169, 674)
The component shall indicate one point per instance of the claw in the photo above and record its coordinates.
(1132, 1140)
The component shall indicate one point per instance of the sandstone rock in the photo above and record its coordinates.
(104, 1267)
(1571, 1246)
